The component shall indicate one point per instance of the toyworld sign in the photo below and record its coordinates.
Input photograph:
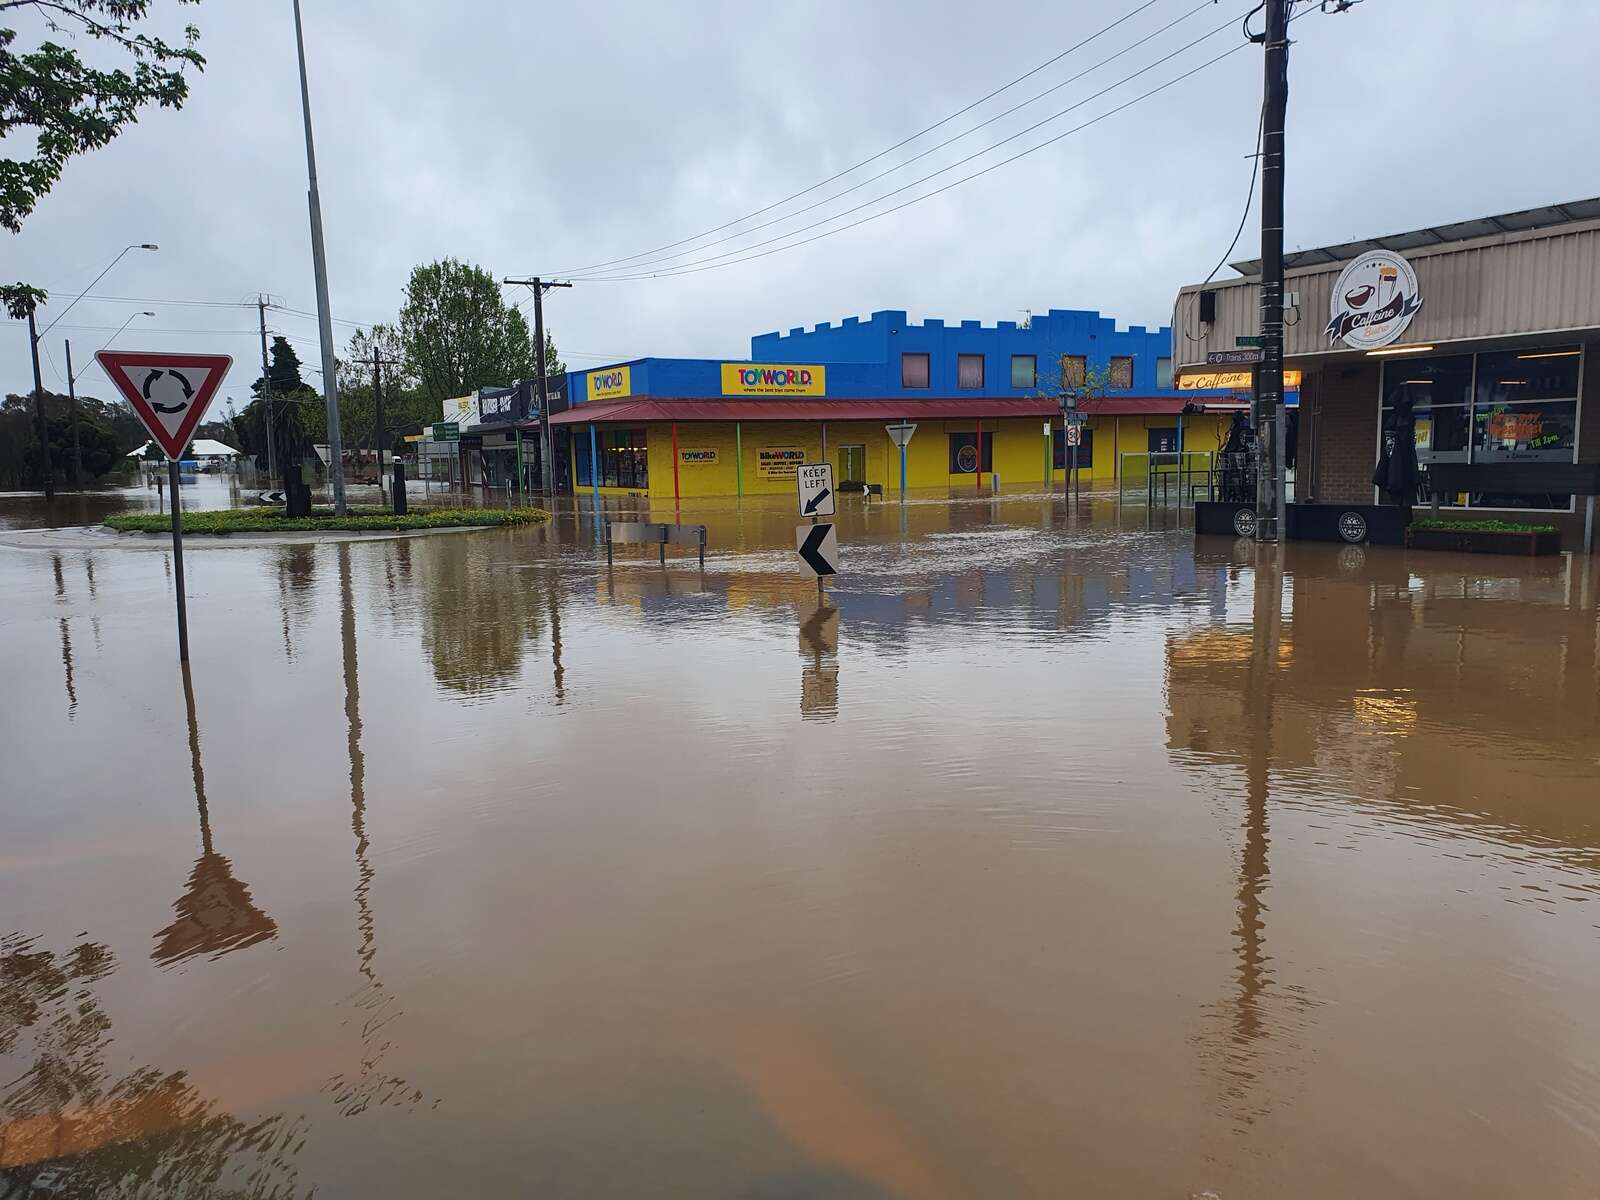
(773, 379)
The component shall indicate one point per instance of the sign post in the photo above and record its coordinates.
(900, 435)
(813, 483)
(170, 394)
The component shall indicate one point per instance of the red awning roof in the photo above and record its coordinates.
(641, 409)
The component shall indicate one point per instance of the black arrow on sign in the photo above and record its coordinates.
(811, 504)
(188, 392)
(811, 551)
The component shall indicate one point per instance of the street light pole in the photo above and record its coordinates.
(72, 394)
(319, 265)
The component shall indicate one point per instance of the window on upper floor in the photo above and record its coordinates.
(914, 370)
(1024, 370)
(969, 371)
(1163, 372)
(1074, 370)
(1120, 374)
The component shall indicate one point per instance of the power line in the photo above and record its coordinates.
(952, 140)
(712, 263)
(864, 162)
(284, 308)
(1249, 198)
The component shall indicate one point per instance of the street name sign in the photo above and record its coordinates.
(447, 431)
(818, 547)
(1250, 339)
(814, 490)
(1221, 358)
(169, 392)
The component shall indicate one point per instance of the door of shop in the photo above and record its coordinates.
(852, 465)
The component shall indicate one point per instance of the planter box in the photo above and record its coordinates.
(1484, 541)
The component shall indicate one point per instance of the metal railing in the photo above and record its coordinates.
(1167, 476)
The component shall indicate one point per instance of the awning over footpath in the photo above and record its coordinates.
(643, 410)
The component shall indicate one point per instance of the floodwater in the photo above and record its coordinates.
(1053, 856)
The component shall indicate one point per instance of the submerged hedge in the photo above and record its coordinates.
(272, 520)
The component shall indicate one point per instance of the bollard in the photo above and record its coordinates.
(398, 490)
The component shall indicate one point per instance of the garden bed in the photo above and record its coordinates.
(272, 520)
(1484, 537)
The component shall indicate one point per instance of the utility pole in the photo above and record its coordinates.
(319, 263)
(1269, 420)
(546, 458)
(38, 406)
(266, 391)
(77, 448)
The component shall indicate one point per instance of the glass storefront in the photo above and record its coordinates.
(1502, 406)
(622, 456)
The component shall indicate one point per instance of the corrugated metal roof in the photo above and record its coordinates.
(1436, 235)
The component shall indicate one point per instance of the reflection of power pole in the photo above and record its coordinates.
(547, 466)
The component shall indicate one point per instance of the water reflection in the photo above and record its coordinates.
(71, 1127)
(377, 1007)
(819, 674)
(216, 914)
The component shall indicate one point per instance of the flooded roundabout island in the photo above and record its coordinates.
(1054, 853)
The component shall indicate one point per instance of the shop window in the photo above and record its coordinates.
(1164, 373)
(1165, 440)
(1074, 371)
(914, 370)
(1505, 406)
(964, 453)
(1062, 453)
(623, 459)
(1024, 370)
(969, 371)
(1120, 374)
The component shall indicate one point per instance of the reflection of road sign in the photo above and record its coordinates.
(1075, 433)
(819, 635)
(1219, 358)
(967, 459)
(819, 549)
(169, 392)
(447, 431)
(900, 434)
(814, 488)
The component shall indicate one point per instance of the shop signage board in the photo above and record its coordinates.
(1373, 301)
(1222, 358)
(169, 392)
(446, 431)
(818, 547)
(610, 383)
(779, 462)
(774, 379)
(705, 456)
(814, 489)
(1200, 381)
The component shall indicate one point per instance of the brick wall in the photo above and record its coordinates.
(1345, 415)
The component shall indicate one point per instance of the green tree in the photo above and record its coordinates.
(294, 409)
(104, 436)
(71, 107)
(460, 334)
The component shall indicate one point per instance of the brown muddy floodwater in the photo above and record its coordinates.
(1055, 858)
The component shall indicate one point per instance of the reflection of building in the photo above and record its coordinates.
(1479, 696)
(1488, 327)
(981, 399)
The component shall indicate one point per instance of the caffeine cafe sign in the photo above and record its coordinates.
(1373, 301)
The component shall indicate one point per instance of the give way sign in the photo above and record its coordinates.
(169, 391)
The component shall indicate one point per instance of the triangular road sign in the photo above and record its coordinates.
(170, 392)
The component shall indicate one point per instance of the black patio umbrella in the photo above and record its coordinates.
(1397, 471)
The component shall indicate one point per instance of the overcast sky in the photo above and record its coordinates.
(548, 137)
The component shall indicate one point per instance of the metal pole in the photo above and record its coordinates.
(1048, 481)
(519, 465)
(902, 475)
(377, 402)
(177, 561)
(546, 471)
(594, 469)
(979, 486)
(38, 406)
(1269, 399)
(77, 449)
(319, 263)
(266, 393)
(738, 457)
(676, 497)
